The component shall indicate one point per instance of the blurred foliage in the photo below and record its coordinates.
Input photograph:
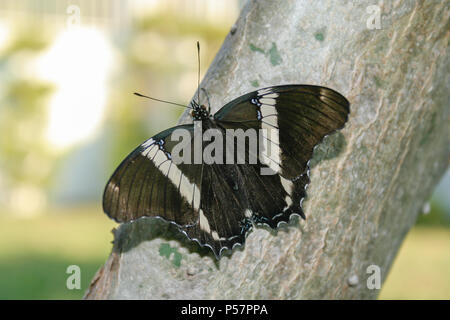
(159, 58)
(24, 40)
(24, 101)
(176, 25)
(436, 217)
(35, 252)
(26, 164)
(421, 269)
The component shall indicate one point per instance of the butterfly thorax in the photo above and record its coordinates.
(199, 112)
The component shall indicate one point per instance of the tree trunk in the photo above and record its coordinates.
(368, 182)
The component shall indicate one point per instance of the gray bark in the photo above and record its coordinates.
(368, 182)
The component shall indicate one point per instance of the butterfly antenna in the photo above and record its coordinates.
(198, 75)
(174, 103)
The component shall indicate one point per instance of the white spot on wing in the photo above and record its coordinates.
(288, 186)
(264, 91)
(159, 157)
(267, 110)
(196, 193)
(151, 153)
(148, 143)
(216, 237)
(204, 224)
(272, 95)
(147, 151)
(271, 121)
(164, 167)
(268, 101)
(271, 154)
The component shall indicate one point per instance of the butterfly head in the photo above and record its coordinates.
(199, 112)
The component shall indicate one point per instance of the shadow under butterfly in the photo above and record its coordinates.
(217, 204)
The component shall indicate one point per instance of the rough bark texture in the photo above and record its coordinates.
(368, 182)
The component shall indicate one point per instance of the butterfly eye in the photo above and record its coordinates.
(192, 113)
(203, 107)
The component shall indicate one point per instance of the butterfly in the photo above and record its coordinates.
(216, 201)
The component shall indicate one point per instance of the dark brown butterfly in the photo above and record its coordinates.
(217, 203)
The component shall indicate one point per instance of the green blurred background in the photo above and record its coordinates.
(68, 117)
